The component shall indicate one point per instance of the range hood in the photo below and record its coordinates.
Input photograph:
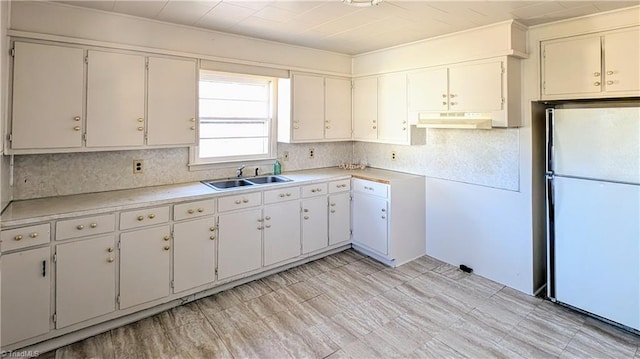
(459, 120)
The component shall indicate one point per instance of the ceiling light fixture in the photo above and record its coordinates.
(362, 3)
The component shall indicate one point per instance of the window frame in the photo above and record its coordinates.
(198, 163)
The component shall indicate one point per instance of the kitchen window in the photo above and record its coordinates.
(235, 118)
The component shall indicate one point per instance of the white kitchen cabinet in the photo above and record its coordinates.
(339, 218)
(281, 228)
(194, 253)
(145, 263)
(85, 279)
(171, 101)
(388, 219)
(392, 108)
(365, 108)
(239, 242)
(314, 108)
(115, 99)
(48, 83)
(592, 66)
(427, 90)
(315, 229)
(26, 294)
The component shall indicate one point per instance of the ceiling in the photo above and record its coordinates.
(335, 26)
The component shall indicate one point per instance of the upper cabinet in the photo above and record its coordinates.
(314, 108)
(70, 99)
(48, 83)
(592, 66)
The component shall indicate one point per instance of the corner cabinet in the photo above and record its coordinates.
(592, 66)
(314, 108)
(133, 100)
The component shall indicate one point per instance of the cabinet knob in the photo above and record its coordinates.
(306, 210)
(384, 210)
(76, 118)
(18, 237)
(597, 83)
(80, 226)
(267, 218)
(33, 235)
(166, 248)
(333, 211)
(609, 82)
(383, 217)
(374, 121)
(296, 127)
(609, 72)
(238, 201)
(452, 95)
(140, 218)
(93, 225)
(192, 119)
(453, 103)
(151, 216)
(288, 194)
(77, 128)
(192, 128)
(200, 210)
(282, 195)
(111, 260)
(110, 249)
(444, 103)
(332, 204)
(245, 201)
(190, 211)
(404, 129)
(166, 238)
(319, 189)
(140, 128)
(306, 217)
(140, 119)
(260, 220)
(596, 74)
(374, 127)
(212, 238)
(313, 190)
(268, 226)
(259, 228)
(444, 95)
(212, 229)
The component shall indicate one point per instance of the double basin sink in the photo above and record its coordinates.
(243, 182)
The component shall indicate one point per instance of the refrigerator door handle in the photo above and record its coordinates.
(549, 139)
(549, 174)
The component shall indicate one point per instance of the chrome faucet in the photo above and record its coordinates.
(239, 171)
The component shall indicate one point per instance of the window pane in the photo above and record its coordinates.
(233, 108)
(233, 129)
(233, 147)
(234, 91)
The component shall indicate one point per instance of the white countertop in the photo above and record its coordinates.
(30, 211)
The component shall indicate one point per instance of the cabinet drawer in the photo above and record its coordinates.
(239, 201)
(313, 190)
(281, 195)
(339, 186)
(194, 209)
(25, 237)
(370, 187)
(80, 227)
(144, 217)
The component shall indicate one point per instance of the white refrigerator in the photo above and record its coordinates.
(593, 208)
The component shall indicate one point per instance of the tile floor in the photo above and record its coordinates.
(350, 306)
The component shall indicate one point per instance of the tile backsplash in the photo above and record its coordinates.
(487, 158)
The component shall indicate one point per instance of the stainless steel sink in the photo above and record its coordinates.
(226, 184)
(268, 179)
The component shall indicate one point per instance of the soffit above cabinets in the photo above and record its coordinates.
(334, 26)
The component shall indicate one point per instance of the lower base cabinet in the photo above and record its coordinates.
(315, 234)
(339, 218)
(26, 294)
(370, 227)
(281, 232)
(145, 265)
(194, 253)
(89, 264)
(240, 243)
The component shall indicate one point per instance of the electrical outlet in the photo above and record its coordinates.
(394, 156)
(285, 156)
(138, 166)
(311, 153)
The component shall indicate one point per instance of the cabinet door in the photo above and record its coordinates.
(337, 108)
(339, 218)
(308, 107)
(48, 83)
(370, 222)
(171, 105)
(392, 108)
(621, 58)
(427, 90)
(571, 66)
(145, 257)
(26, 294)
(476, 87)
(239, 243)
(194, 253)
(115, 99)
(365, 108)
(315, 233)
(281, 232)
(85, 280)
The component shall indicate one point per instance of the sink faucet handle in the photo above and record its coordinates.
(257, 170)
(239, 171)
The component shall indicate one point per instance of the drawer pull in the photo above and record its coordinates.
(44, 268)
(166, 248)
(238, 201)
(151, 216)
(306, 210)
(110, 249)
(313, 190)
(191, 211)
(281, 195)
(200, 210)
(306, 217)
(268, 226)
(288, 194)
(33, 235)
(18, 237)
(80, 227)
(93, 225)
(212, 229)
(333, 211)
(110, 260)
(166, 238)
(245, 201)
(267, 218)
(212, 238)
(140, 218)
